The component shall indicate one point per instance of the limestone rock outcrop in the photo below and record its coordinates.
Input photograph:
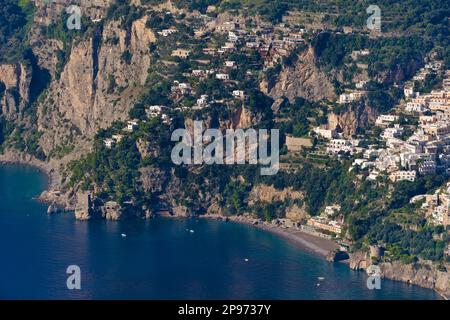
(303, 79)
(15, 80)
(112, 211)
(265, 193)
(96, 86)
(423, 273)
(350, 120)
(85, 208)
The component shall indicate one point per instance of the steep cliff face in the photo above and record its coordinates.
(243, 118)
(303, 79)
(49, 12)
(96, 86)
(423, 274)
(359, 116)
(16, 79)
(401, 73)
(268, 194)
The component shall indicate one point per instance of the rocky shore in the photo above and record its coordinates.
(11, 157)
(423, 274)
(52, 194)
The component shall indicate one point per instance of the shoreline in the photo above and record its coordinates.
(48, 195)
(319, 246)
(316, 245)
(311, 243)
(14, 158)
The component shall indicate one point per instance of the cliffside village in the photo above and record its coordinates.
(273, 43)
(426, 151)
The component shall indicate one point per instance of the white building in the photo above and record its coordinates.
(331, 210)
(415, 107)
(198, 73)
(109, 143)
(117, 137)
(403, 176)
(239, 94)
(427, 167)
(203, 100)
(181, 87)
(409, 92)
(232, 36)
(371, 154)
(222, 76)
(230, 64)
(361, 84)
(165, 118)
(350, 97)
(325, 133)
(167, 32)
(336, 146)
(390, 133)
(153, 111)
(386, 119)
(131, 125)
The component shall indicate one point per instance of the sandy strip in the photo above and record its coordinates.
(311, 243)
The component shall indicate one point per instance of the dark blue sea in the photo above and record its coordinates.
(160, 258)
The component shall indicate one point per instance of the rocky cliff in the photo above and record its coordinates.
(424, 274)
(268, 194)
(351, 119)
(16, 79)
(302, 79)
(96, 86)
(401, 72)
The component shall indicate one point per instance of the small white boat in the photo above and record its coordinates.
(321, 278)
(123, 235)
(191, 231)
(246, 260)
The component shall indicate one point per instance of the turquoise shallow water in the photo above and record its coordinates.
(159, 259)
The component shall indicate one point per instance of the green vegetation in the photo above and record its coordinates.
(387, 55)
(376, 212)
(15, 21)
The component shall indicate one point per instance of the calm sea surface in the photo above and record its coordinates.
(159, 259)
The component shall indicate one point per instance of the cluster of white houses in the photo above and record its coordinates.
(436, 206)
(437, 100)
(131, 125)
(272, 42)
(425, 152)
